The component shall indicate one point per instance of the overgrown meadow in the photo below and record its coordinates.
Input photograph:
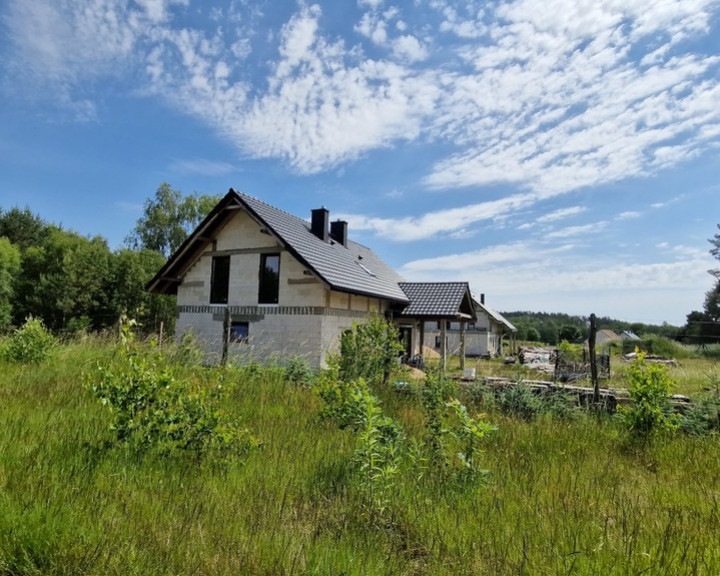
(337, 473)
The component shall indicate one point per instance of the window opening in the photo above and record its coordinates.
(239, 332)
(269, 286)
(220, 280)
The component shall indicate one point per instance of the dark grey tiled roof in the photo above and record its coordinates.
(437, 299)
(355, 268)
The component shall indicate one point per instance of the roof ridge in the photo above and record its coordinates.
(256, 199)
(431, 282)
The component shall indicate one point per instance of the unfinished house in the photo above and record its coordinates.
(254, 282)
(274, 283)
(482, 337)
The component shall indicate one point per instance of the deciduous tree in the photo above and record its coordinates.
(168, 218)
(9, 270)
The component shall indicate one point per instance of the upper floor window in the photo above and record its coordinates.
(220, 280)
(269, 285)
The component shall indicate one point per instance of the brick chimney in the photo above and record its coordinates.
(319, 223)
(338, 231)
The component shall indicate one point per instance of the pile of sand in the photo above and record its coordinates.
(430, 353)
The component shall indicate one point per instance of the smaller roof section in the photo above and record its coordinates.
(442, 300)
(480, 303)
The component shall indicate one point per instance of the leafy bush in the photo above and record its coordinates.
(701, 418)
(370, 351)
(298, 371)
(152, 409)
(452, 436)
(29, 344)
(335, 394)
(570, 352)
(650, 412)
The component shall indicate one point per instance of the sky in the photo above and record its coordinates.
(561, 156)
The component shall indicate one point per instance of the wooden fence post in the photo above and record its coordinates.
(593, 360)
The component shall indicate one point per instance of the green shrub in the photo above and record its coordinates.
(570, 352)
(701, 418)
(370, 351)
(29, 344)
(298, 371)
(335, 394)
(650, 412)
(152, 409)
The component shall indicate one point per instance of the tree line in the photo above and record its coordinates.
(77, 283)
(553, 328)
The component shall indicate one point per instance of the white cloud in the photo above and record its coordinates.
(326, 110)
(409, 48)
(561, 214)
(439, 222)
(572, 95)
(583, 230)
(629, 215)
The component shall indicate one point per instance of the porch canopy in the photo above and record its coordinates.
(438, 302)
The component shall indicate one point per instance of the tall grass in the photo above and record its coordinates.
(564, 496)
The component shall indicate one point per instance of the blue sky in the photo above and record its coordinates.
(561, 156)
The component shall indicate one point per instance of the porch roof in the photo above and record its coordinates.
(437, 300)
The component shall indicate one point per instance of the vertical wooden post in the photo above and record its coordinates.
(462, 345)
(160, 337)
(443, 344)
(593, 360)
(422, 342)
(226, 336)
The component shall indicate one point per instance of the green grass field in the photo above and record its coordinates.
(564, 495)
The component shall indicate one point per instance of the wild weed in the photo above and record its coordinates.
(469, 433)
(650, 412)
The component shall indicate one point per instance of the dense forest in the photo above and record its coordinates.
(75, 283)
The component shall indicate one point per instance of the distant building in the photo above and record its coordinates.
(484, 337)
